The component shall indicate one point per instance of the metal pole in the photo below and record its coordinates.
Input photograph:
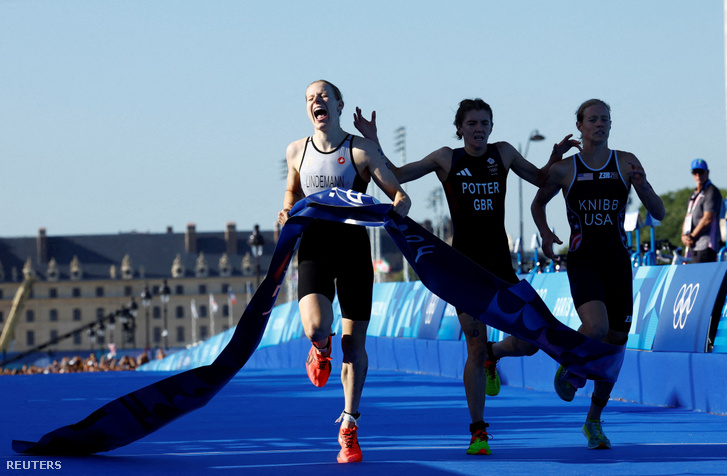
(400, 146)
(534, 136)
(165, 332)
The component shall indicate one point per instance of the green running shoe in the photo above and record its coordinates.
(493, 378)
(478, 443)
(563, 388)
(597, 440)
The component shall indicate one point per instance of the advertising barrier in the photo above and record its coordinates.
(675, 305)
(678, 308)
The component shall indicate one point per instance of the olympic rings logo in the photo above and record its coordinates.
(683, 304)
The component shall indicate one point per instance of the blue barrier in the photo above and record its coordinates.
(720, 338)
(674, 306)
(673, 310)
(413, 330)
(653, 378)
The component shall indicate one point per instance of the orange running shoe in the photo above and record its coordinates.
(350, 449)
(318, 364)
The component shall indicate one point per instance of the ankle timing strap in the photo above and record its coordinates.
(328, 343)
(351, 418)
(477, 426)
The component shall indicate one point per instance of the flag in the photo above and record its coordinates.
(584, 176)
(194, 310)
(213, 304)
(231, 297)
(382, 266)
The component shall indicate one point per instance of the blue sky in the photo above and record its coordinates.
(138, 115)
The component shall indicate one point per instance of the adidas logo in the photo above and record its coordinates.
(464, 173)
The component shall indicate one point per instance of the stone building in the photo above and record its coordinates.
(94, 282)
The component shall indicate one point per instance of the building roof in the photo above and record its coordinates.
(151, 254)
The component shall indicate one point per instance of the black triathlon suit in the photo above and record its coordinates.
(475, 190)
(599, 268)
(331, 255)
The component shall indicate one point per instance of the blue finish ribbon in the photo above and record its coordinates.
(515, 309)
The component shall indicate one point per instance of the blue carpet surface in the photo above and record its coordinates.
(276, 422)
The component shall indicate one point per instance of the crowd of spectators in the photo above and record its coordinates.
(108, 362)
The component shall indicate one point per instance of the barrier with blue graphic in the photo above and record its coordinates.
(720, 338)
(690, 296)
(554, 290)
(647, 286)
(673, 308)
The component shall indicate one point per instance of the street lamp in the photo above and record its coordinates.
(533, 137)
(92, 337)
(111, 325)
(100, 330)
(146, 302)
(133, 310)
(123, 314)
(256, 243)
(164, 295)
(128, 325)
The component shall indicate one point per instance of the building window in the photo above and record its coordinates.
(225, 288)
(203, 333)
(99, 291)
(202, 289)
(157, 335)
(29, 315)
(99, 313)
(30, 338)
(77, 338)
(179, 289)
(53, 334)
(76, 292)
(180, 333)
(53, 315)
(1, 316)
(180, 312)
(76, 314)
(1, 293)
(156, 312)
(226, 310)
(52, 293)
(128, 291)
(202, 311)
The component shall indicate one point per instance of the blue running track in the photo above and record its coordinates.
(276, 422)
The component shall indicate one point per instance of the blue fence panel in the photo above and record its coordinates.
(720, 340)
(432, 313)
(689, 299)
(554, 290)
(648, 288)
(412, 311)
(380, 308)
(673, 307)
(449, 329)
